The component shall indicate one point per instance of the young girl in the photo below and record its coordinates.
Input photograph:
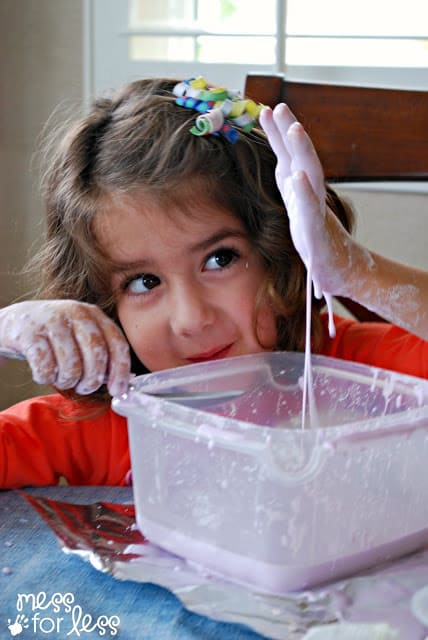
(168, 243)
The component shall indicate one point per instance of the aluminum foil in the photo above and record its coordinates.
(106, 535)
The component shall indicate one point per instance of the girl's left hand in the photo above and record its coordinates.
(338, 264)
(324, 245)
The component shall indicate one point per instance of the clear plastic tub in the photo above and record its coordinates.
(234, 483)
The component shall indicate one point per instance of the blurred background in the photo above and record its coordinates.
(57, 54)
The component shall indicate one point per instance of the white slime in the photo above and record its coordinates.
(308, 401)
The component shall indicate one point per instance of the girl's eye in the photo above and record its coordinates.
(142, 283)
(221, 259)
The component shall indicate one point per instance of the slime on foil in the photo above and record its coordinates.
(394, 594)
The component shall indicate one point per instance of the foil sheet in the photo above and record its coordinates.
(106, 535)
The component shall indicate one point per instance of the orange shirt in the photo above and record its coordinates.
(45, 438)
(378, 344)
(48, 437)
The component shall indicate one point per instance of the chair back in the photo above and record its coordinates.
(360, 133)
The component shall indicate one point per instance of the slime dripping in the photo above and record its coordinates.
(308, 400)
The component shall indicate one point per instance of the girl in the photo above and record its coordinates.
(166, 247)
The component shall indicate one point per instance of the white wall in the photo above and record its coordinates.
(393, 223)
(40, 67)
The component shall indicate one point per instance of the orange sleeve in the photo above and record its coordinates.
(43, 439)
(378, 344)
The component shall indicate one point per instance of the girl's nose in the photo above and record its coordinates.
(191, 311)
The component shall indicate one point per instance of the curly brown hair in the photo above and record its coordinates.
(138, 137)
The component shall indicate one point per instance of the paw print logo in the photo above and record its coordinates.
(17, 627)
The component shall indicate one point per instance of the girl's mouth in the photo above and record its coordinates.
(213, 354)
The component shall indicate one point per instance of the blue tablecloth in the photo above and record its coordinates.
(32, 564)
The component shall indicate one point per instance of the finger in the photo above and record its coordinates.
(310, 228)
(276, 140)
(41, 359)
(93, 350)
(283, 118)
(26, 329)
(70, 363)
(304, 158)
(300, 233)
(307, 205)
(304, 213)
(119, 369)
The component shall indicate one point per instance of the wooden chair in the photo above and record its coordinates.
(360, 133)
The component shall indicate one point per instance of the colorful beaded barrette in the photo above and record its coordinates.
(220, 110)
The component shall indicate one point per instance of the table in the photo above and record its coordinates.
(32, 563)
(46, 593)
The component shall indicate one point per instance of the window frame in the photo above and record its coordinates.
(107, 64)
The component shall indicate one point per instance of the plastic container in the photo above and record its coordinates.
(234, 484)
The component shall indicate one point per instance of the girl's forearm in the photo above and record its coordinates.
(395, 291)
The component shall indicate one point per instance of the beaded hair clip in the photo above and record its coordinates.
(220, 110)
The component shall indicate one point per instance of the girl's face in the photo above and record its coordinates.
(185, 285)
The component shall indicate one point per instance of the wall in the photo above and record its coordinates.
(393, 223)
(41, 66)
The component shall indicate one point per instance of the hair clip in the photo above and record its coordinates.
(220, 111)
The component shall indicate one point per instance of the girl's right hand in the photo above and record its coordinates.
(68, 344)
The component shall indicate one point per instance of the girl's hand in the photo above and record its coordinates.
(326, 248)
(68, 344)
(338, 264)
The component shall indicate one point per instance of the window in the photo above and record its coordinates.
(365, 41)
(204, 31)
